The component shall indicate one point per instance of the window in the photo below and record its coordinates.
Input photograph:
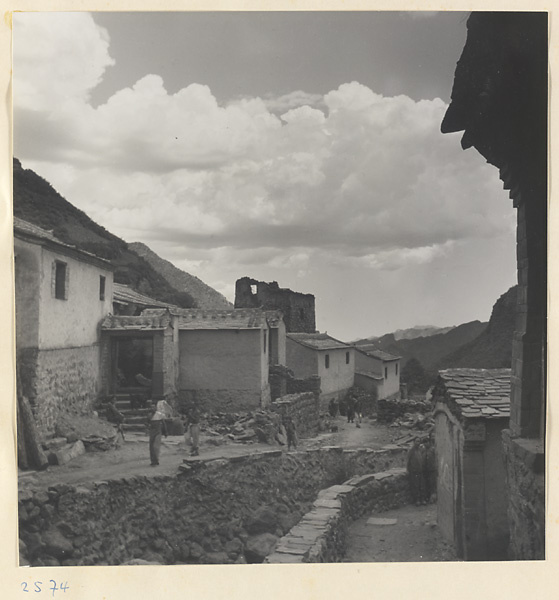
(265, 342)
(60, 280)
(101, 287)
(396, 368)
(327, 361)
(386, 372)
(347, 358)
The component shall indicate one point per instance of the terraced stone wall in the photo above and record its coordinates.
(216, 511)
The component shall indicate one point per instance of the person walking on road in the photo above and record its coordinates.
(415, 468)
(157, 428)
(193, 428)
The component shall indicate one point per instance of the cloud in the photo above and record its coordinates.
(364, 179)
(60, 58)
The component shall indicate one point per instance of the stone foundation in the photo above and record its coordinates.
(60, 381)
(525, 471)
(218, 511)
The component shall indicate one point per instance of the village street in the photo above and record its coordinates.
(409, 533)
(131, 458)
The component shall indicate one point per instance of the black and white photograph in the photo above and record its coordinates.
(280, 287)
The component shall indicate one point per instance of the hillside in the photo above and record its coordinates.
(492, 349)
(36, 201)
(204, 295)
(431, 349)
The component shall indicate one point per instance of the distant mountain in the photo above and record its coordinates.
(204, 295)
(410, 333)
(431, 349)
(36, 201)
(492, 349)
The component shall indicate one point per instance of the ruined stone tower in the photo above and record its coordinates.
(298, 309)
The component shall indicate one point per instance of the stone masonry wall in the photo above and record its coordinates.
(221, 400)
(217, 511)
(525, 468)
(60, 381)
(304, 410)
(283, 382)
(298, 309)
(321, 534)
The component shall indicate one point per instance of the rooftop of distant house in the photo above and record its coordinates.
(122, 294)
(478, 393)
(371, 350)
(318, 341)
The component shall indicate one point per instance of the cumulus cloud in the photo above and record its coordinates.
(366, 180)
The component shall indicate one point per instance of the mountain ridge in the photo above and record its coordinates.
(204, 295)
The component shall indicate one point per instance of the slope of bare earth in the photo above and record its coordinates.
(204, 295)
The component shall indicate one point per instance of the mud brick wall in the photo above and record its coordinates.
(388, 410)
(219, 511)
(525, 468)
(59, 381)
(304, 409)
(321, 534)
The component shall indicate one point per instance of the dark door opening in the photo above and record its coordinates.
(134, 364)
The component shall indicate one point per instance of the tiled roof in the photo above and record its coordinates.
(25, 228)
(317, 341)
(233, 318)
(370, 375)
(478, 393)
(371, 350)
(139, 323)
(122, 294)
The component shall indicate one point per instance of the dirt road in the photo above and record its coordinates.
(132, 457)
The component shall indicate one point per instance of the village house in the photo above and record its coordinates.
(377, 372)
(320, 355)
(472, 408)
(219, 358)
(62, 294)
(500, 101)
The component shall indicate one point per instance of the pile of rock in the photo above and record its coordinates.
(392, 409)
(258, 426)
(76, 434)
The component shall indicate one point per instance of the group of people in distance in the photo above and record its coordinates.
(353, 409)
(422, 470)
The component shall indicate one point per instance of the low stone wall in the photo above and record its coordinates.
(217, 511)
(525, 472)
(59, 381)
(321, 534)
(390, 409)
(283, 382)
(304, 410)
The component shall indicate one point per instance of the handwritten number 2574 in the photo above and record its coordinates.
(53, 588)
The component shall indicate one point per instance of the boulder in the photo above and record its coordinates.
(67, 453)
(262, 520)
(259, 546)
(56, 544)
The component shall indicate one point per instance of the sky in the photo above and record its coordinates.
(302, 148)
